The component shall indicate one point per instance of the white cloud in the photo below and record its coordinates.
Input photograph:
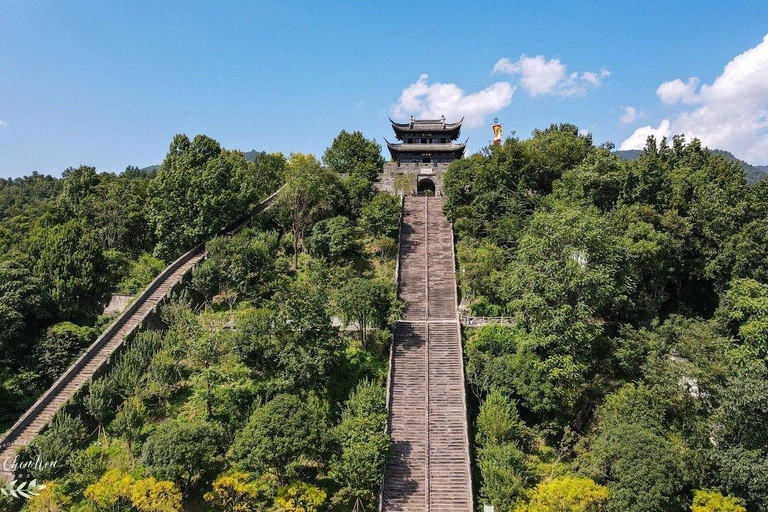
(678, 91)
(630, 114)
(638, 138)
(3, 123)
(425, 100)
(732, 112)
(539, 76)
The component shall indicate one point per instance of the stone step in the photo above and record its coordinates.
(429, 465)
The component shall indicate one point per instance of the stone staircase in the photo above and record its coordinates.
(428, 468)
(98, 355)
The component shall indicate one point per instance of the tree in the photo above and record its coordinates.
(358, 192)
(743, 312)
(111, 491)
(98, 403)
(632, 453)
(381, 217)
(140, 273)
(62, 344)
(308, 193)
(503, 465)
(205, 355)
(22, 303)
(551, 152)
(567, 494)
(116, 489)
(199, 189)
(55, 446)
(244, 263)
(366, 303)
(300, 497)
(304, 347)
(129, 420)
(499, 423)
(72, 269)
(237, 491)
(506, 473)
(151, 495)
(185, 451)
(359, 464)
(334, 240)
(713, 501)
(740, 435)
(563, 286)
(353, 154)
(281, 436)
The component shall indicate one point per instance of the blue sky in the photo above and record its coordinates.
(108, 84)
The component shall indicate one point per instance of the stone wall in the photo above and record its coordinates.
(405, 177)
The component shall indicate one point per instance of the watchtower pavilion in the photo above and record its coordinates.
(419, 160)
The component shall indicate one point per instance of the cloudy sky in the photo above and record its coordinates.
(109, 83)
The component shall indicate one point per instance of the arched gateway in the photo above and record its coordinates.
(425, 149)
(426, 187)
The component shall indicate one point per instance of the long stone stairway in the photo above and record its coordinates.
(429, 465)
(98, 355)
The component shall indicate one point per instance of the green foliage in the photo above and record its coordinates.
(713, 501)
(243, 263)
(499, 423)
(98, 402)
(381, 216)
(353, 154)
(62, 344)
(743, 312)
(114, 206)
(281, 437)
(571, 494)
(199, 189)
(633, 454)
(72, 269)
(480, 265)
(237, 491)
(363, 445)
(140, 273)
(358, 193)
(506, 473)
(304, 348)
(367, 303)
(334, 240)
(184, 451)
(740, 434)
(563, 285)
(300, 497)
(504, 467)
(57, 444)
(22, 303)
(129, 420)
(552, 151)
(310, 191)
(22, 200)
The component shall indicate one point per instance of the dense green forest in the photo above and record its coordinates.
(248, 397)
(634, 375)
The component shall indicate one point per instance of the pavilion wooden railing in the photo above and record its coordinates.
(480, 321)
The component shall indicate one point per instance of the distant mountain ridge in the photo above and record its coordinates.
(251, 156)
(754, 173)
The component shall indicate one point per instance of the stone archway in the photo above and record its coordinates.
(425, 187)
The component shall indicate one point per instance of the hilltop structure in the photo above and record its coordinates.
(419, 160)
